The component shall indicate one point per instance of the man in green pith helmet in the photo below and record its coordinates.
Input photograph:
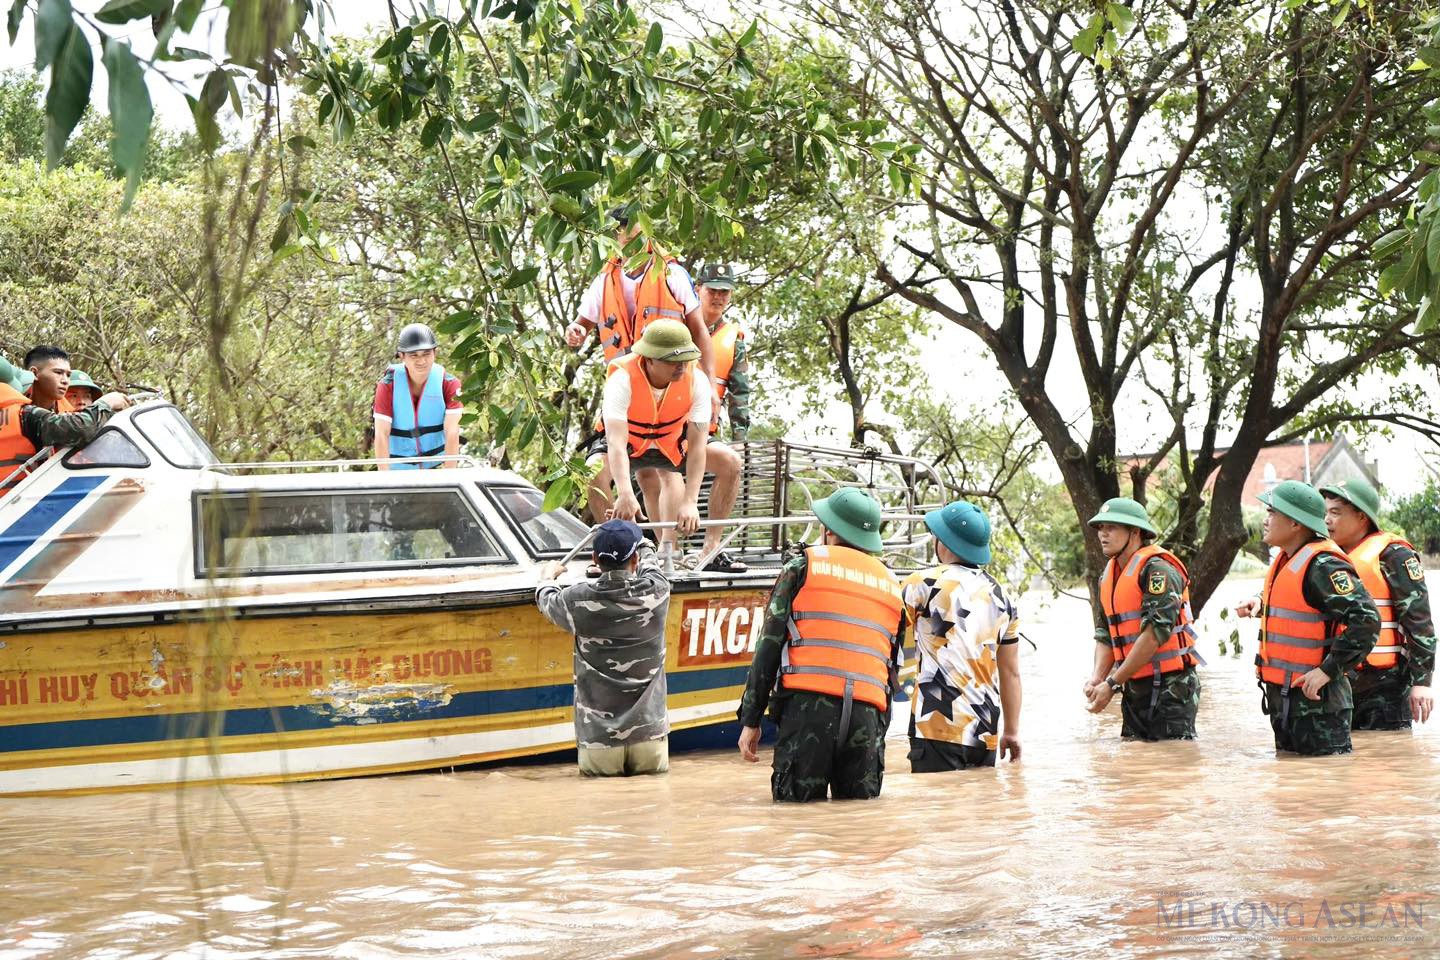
(1392, 683)
(829, 651)
(1317, 621)
(82, 390)
(1146, 648)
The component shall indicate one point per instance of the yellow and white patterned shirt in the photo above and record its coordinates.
(961, 617)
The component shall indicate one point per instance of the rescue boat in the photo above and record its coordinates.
(167, 620)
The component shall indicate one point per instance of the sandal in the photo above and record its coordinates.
(724, 563)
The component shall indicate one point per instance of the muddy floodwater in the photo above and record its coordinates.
(1087, 847)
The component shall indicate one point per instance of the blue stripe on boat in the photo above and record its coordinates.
(44, 514)
(317, 716)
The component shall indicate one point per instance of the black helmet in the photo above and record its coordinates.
(417, 336)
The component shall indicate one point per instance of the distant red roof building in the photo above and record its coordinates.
(1329, 461)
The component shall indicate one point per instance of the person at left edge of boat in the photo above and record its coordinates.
(10, 375)
(967, 642)
(82, 390)
(830, 650)
(1392, 684)
(622, 721)
(26, 427)
(1317, 621)
(1146, 648)
(417, 405)
(50, 372)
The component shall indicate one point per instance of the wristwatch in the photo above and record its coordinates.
(1114, 687)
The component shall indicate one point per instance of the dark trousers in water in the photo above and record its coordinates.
(1382, 698)
(1163, 712)
(1312, 728)
(813, 754)
(939, 756)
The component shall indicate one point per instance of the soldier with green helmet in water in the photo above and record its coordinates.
(1317, 621)
(1392, 683)
(1145, 648)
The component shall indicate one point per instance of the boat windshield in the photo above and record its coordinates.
(546, 534)
(171, 434)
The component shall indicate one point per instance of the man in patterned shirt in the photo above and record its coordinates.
(967, 641)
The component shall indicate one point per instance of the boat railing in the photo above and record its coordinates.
(332, 466)
(10, 483)
(907, 552)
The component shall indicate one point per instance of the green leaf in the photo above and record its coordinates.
(1339, 19)
(1084, 42)
(123, 11)
(748, 36)
(1432, 245)
(12, 21)
(1386, 246)
(654, 39)
(1390, 278)
(1430, 56)
(69, 93)
(439, 39)
(481, 122)
(432, 130)
(53, 23)
(566, 207)
(1120, 15)
(573, 182)
(520, 277)
(187, 13)
(130, 113)
(558, 494)
(527, 432)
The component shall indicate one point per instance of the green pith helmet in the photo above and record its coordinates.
(1359, 495)
(964, 528)
(851, 515)
(1300, 502)
(25, 379)
(667, 340)
(721, 276)
(9, 374)
(1127, 512)
(79, 378)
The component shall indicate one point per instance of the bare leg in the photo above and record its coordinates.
(672, 492)
(649, 480)
(724, 462)
(599, 501)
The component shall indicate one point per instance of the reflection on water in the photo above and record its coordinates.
(1212, 848)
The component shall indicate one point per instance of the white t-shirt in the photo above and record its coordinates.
(615, 401)
(681, 288)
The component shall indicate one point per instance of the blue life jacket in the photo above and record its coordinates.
(407, 438)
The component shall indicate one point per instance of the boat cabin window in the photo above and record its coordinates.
(556, 532)
(170, 433)
(109, 448)
(265, 532)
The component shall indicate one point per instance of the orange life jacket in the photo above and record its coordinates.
(842, 627)
(1121, 594)
(723, 340)
(619, 329)
(15, 448)
(1366, 558)
(655, 425)
(1294, 636)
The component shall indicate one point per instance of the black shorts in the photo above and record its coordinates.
(937, 756)
(654, 460)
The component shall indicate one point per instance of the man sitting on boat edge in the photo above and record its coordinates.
(622, 722)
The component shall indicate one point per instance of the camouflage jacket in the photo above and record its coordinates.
(1159, 609)
(760, 687)
(1405, 574)
(619, 627)
(44, 428)
(737, 393)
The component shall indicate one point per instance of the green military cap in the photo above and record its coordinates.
(79, 378)
(24, 380)
(721, 276)
(1359, 495)
(9, 373)
(667, 340)
(964, 528)
(1124, 511)
(1300, 502)
(854, 517)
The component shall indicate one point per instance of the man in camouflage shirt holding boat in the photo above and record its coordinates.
(622, 721)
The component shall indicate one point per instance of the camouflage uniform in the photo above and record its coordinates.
(809, 754)
(45, 428)
(1320, 727)
(1382, 697)
(1165, 711)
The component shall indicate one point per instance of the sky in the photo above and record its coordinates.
(958, 365)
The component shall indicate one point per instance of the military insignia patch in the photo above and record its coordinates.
(1157, 583)
(1412, 567)
(1342, 582)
